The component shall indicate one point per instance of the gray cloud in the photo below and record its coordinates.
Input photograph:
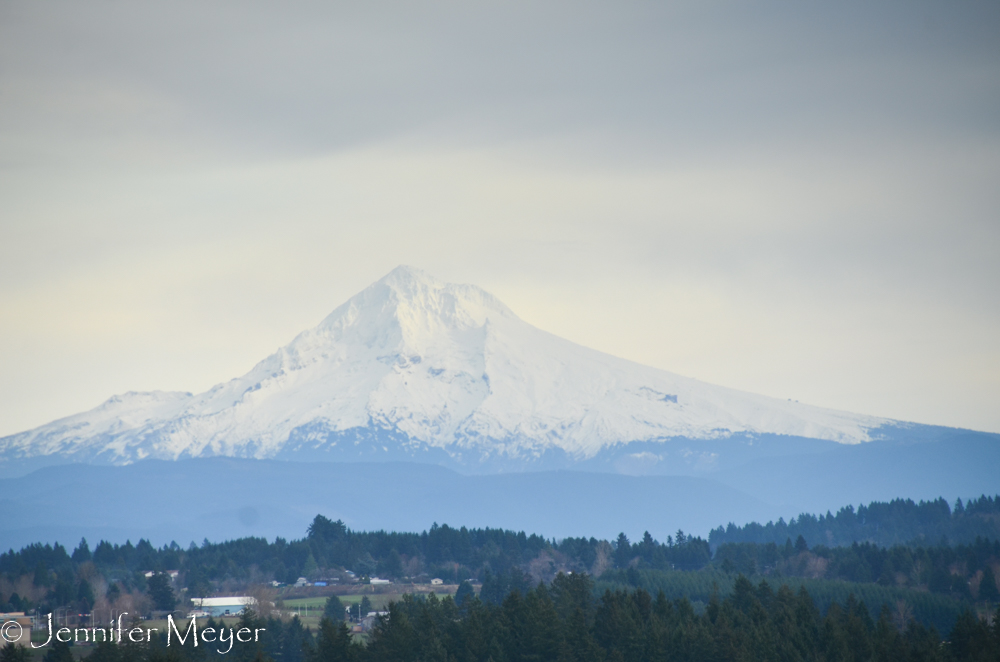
(685, 77)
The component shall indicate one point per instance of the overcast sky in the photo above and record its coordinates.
(795, 199)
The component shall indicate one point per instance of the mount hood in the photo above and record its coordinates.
(413, 368)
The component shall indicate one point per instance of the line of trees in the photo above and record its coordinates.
(966, 572)
(896, 522)
(44, 576)
(929, 609)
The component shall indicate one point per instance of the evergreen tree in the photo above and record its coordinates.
(995, 640)
(464, 593)
(159, 590)
(395, 638)
(85, 594)
(543, 638)
(491, 592)
(82, 552)
(365, 565)
(578, 642)
(623, 551)
(131, 651)
(988, 586)
(647, 548)
(295, 640)
(196, 580)
(42, 576)
(248, 651)
(572, 593)
(334, 609)
(104, 651)
(58, 652)
(333, 643)
(311, 568)
(391, 565)
(970, 639)
(12, 652)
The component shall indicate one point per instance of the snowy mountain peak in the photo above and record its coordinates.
(412, 365)
(413, 304)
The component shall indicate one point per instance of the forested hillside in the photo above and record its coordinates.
(895, 522)
(45, 576)
(963, 571)
(934, 578)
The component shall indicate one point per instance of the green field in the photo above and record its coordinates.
(310, 610)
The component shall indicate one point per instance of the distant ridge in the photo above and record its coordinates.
(228, 498)
(899, 521)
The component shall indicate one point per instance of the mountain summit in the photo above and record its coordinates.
(415, 368)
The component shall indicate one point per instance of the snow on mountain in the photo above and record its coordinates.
(428, 366)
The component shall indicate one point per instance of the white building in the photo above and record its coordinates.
(223, 606)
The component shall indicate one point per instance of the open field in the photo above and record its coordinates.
(310, 609)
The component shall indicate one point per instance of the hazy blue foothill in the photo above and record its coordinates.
(219, 498)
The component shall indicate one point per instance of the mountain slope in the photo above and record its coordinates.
(413, 368)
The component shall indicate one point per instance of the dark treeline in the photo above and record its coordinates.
(450, 553)
(565, 622)
(679, 551)
(961, 571)
(896, 522)
(929, 609)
